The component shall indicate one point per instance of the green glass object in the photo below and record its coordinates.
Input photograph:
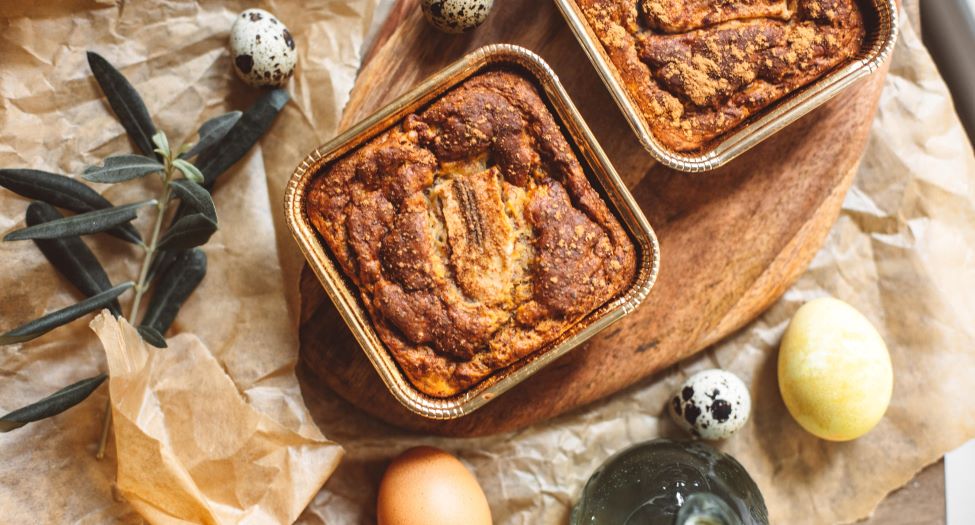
(663, 482)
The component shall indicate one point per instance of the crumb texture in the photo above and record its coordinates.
(472, 233)
(699, 68)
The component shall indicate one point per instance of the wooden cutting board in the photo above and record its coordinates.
(732, 240)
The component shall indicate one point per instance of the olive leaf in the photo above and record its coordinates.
(212, 131)
(238, 141)
(160, 263)
(48, 322)
(70, 256)
(152, 336)
(81, 224)
(162, 144)
(51, 405)
(189, 170)
(173, 288)
(183, 148)
(63, 192)
(125, 101)
(189, 231)
(121, 168)
(195, 198)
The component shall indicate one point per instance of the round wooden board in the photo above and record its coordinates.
(732, 240)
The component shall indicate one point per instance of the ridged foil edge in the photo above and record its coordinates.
(346, 299)
(875, 50)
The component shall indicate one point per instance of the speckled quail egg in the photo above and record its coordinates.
(262, 48)
(456, 16)
(711, 404)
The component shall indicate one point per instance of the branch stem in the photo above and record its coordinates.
(142, 284)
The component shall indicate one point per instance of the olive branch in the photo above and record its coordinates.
(172, 265)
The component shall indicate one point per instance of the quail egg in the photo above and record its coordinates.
(262, 48)
(711, 404)
(456, 16)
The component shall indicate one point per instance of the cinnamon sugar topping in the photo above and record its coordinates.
(698, 68)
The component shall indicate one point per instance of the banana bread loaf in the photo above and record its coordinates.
(699, 68)
(471, 232)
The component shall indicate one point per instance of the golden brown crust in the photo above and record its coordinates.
(472, 233)
(699, 68)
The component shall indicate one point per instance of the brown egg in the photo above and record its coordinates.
(427, 486)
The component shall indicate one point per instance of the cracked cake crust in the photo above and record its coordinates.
(699, 68)
(471, 232)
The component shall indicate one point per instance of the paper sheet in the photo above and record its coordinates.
(241, 466)
(901, 252)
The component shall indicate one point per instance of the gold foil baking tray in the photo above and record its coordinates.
(880, 20)
(597, 167)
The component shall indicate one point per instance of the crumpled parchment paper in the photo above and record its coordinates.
(54, 117)
(901, 253)
(238, 466)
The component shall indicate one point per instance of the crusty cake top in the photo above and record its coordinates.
(471, 232)
(699, 68)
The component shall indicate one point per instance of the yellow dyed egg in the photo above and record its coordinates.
(427, 486)
(835, 373)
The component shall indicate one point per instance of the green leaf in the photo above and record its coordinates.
(212, 131)
(70, 256)
(48, 322)
(125, 101)
(195, 198)
(188, 232)
(239, 140)
(63, 192)
(175, 285)
(81, 224)
(160, 262)
(152, 336)
(51, 405)
(122, 168)
(162, 143)
(189, 170)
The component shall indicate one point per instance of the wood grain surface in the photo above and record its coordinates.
(732, 240)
